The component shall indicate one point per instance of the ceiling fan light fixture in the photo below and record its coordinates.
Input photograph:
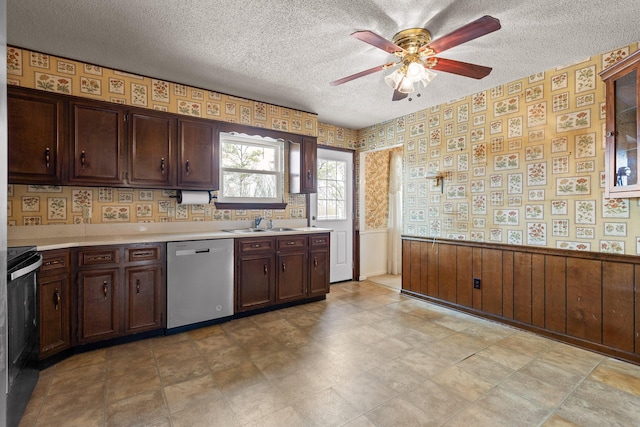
(405, 86)
(393, 80)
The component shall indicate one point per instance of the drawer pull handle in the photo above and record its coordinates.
(137, 286)
(83, 159)
(142, 254)
(315, 261)
(100, 258)
(257, 245)
(291, 243)
(266, 270)
(162, 165)
(104, 289)
(56, 298)
(47, 156)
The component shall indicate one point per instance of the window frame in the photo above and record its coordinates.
(276, 202)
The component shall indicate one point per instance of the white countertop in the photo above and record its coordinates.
(50, 237)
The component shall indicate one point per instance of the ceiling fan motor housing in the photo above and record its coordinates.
(412, 39)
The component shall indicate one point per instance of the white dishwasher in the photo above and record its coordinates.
(199, 281)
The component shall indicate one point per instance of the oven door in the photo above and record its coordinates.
(23, 343)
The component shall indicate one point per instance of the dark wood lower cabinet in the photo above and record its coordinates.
(54, 294)
(280, 269)
(98, 305)
(584, 298)
(144, 297)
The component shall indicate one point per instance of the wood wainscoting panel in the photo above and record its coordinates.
(587, 299)
(584, 299)
(537, 289)
(491, 281)
(464, 278)
(555, 301)
(618, 305)
(447, 273)
(522, 287)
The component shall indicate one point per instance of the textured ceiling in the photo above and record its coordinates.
(286, 52)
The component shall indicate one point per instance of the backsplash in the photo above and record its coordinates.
(45, 205)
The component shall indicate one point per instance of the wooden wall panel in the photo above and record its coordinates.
(415, 266)
(584, 299)
(424, 267)
(618, 305)
(406, 265)
(522, 287)
(637, 299)
(491, 281)
(537, 289)
(433, 278)
(477, 272)
(464, 279)
(555, 301)
(447, 272)
(507, 284)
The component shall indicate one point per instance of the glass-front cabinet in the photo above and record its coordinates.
(621, 131)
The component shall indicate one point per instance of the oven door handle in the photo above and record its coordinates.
(36, 262)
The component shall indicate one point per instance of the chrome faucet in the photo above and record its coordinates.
(256, 222)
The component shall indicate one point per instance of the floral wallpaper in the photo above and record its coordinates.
(376, 198)
(41, 205)
(523, 164)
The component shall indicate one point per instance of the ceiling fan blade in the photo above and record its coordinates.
(397, 95)
(361, 74)
(378, 41)
(461, 68)
(480, 27)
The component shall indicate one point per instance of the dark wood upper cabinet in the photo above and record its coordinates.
(97, 144)
(151, 148)
(303, 166)
(622, 132)
(198, 156)
(36, 133)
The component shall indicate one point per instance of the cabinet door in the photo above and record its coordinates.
(291, 283)
(144, 306)
(36, 137)
(98, 305)
(318, 272)
(198, 156)
(151, 145)
(97, 142)
(53, 295)
(255, 281)
(309, 180)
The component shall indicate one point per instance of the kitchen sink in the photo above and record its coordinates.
(246, 230)
(280, 229)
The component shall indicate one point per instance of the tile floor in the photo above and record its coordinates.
(366, 356)
(393, 281)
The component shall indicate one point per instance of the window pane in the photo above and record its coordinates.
(247, 156)
(332, 187)
(238, 184)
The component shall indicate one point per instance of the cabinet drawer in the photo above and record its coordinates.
(55, 262)
(149, 253)
(319, 240)
(98, 256)
(291, 242)
(255, 245)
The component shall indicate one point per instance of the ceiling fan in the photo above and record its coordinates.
(416, 55)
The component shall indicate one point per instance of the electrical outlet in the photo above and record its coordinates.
(171, 212)
(476, 283)
(86, 212)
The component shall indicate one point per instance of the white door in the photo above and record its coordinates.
(332, 207)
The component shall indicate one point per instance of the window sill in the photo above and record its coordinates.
(242, 206)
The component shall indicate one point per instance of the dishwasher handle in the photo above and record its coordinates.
(183, 252)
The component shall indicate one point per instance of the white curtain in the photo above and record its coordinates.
(394, 244)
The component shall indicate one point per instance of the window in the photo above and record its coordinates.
(251, 169)
(332, 187)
